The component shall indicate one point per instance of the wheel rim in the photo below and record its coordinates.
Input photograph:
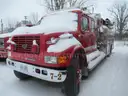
(79, 76)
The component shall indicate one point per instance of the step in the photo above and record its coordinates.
(95, 59)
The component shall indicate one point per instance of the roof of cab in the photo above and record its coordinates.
(65, 10)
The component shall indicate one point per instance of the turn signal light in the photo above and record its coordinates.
(62, 59)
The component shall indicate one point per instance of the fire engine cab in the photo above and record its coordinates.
(63, 47)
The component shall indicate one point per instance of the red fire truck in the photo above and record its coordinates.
(4, 45)
(3, 39)
(63, 47)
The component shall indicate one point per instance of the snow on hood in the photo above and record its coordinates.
(58, 22)
(18, 31)
(5, 35)
(63, 43)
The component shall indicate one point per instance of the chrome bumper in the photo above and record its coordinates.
(38, 72)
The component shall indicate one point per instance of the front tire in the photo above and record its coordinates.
(21, 76)
(72, 82)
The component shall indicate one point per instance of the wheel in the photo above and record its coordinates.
(21, 76)
(72, 82)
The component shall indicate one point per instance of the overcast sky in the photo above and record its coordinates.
(17, 9)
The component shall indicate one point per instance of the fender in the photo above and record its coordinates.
(71, 51)
(77, 48)
(66, 41)
(67, 45)
(80, 48)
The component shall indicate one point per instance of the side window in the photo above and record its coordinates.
(92, 26)
(84, 24)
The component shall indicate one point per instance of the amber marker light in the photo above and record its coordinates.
(62, 59)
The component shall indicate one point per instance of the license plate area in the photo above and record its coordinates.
(41, 73)
(23, 68)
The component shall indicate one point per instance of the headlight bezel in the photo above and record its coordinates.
(56, 60)
(50, 59)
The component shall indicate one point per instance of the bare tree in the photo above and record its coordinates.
(11, 23)
(120, 14)
(34, 17)
(55, 4)
(77, 3)
(61, 4)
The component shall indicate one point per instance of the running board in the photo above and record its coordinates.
(94, 59)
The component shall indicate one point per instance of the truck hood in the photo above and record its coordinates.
(36, 30)
(5, 35)
(41, 29)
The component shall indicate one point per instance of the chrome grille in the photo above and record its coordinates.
(24, 43)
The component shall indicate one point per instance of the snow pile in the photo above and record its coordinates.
(65, 41)
(10, 41)
(121, 43)
(64, 10)
(34, 42)
(66, 35)
(5, 35)
(63, 21)
(60, 22)
(9, 47)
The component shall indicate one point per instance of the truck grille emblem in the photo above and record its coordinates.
(24, 46)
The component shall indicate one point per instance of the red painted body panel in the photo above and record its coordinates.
(3, 54)
(38, 59)
(3, 51)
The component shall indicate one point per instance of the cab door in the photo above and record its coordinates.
(85, 33)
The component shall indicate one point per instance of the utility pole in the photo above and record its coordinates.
(1, 26)
(92, 9)
(25, 18)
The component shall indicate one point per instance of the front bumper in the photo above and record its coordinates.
(3, 54)
(38, 72)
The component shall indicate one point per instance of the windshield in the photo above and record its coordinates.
(66, 21)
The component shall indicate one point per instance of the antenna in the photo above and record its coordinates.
(25, 18)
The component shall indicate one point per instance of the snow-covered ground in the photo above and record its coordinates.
(108, 79)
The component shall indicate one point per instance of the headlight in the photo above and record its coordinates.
(50, 59)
